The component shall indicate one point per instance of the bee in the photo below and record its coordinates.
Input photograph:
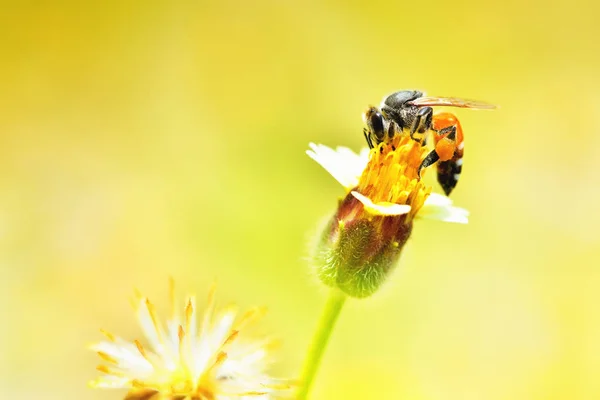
(410, 112)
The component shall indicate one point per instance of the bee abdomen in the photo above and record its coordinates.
(448, 172)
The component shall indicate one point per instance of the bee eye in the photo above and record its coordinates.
(375, 122)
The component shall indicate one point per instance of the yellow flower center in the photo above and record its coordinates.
(391, 176)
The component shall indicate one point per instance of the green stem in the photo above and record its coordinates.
(332, 309)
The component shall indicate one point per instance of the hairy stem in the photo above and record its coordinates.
(330, 314)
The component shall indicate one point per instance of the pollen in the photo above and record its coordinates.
(445, 149)
(391, 175)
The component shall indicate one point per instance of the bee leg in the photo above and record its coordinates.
(448, 132)
(368, 138)
(421, 124)
(443, 152)
(431, 158)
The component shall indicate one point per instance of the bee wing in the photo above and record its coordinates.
(451, 102)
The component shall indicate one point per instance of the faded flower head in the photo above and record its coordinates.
(364, 239)
(210, 360)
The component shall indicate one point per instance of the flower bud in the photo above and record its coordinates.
(357, 254)
(363, 241)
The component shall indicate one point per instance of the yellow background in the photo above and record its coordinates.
(142, 140)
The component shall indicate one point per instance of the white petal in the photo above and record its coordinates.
(364, 157)
(151, 331)
(435, 199)
(446, 213)
(127, 356)
(383, 208)
(222, 329)
(342, 163)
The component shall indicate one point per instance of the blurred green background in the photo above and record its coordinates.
(142, 140)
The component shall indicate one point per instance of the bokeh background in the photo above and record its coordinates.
(142, 140)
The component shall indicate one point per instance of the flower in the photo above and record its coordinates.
(347, 167)
(212, 360)
(384, 194)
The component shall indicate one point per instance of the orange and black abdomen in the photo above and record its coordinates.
(449, 144)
